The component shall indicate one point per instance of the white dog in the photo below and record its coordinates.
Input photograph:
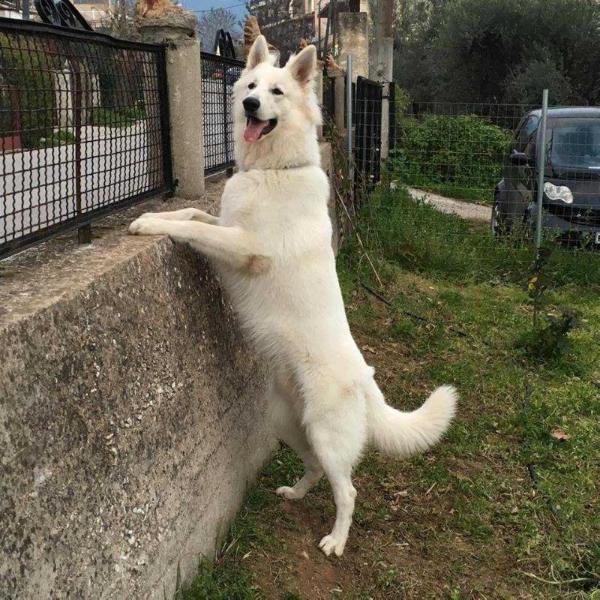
(272, 246)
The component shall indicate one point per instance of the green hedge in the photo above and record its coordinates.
(26, 66)
(459, 156)
(116, 117)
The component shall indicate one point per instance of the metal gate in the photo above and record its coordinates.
(218, 76)
(367, 136)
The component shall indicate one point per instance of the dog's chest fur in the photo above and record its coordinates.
(297, 294)
(286, 209)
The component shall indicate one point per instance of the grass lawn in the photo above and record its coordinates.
(508, 505)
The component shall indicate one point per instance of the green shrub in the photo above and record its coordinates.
(26, 65)
(115, 117)
(460, 156)
(58, 138)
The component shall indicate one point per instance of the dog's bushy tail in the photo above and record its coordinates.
(404, 433)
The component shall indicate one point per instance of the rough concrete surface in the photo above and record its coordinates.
(131, 416)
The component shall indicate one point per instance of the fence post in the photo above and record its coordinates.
(318, 83)
(225, 100)
(541, 167)
(349, 119)
(385, 121)
(84, 233)
(184, 81)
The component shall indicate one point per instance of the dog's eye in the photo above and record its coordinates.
(277, 91)
(251, 86)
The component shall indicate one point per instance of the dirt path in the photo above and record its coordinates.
(465, 210)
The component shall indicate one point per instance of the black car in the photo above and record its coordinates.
(571, 205)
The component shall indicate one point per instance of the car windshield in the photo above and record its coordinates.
(575, 143)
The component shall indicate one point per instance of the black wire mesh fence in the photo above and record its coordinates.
(218, 76)
(459, 188)
(328, 97)
(367, 107)
(483, 161)
(84, 128)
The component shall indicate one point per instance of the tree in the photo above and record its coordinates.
(284, 23)
(500, 50)
(211, 21)
(121, 20)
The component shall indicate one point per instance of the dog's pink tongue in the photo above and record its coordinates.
(254, 128)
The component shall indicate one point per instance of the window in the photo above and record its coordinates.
(526, 133)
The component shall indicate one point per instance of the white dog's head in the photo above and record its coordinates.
(276, 111)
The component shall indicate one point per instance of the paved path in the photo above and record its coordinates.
(37, 187)
(465, 210)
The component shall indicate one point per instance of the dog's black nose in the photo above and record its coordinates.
(251, 105)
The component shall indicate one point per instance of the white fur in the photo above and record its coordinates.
(272, 245)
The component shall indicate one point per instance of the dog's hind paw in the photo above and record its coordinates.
(331, 544)
(289, 493)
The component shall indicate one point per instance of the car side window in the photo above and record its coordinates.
(518, 135)
(525, 136)
(532, 130)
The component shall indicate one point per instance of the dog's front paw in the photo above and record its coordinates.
(289, 493)
(145, 226)
(331, 544)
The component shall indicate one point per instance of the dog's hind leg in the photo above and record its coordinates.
(312, 474)
(289, 429)
(337, 436)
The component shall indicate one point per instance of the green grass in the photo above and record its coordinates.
(414, 235)
(505, 507)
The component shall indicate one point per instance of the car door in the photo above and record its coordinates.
(526, 178)
(519, 177)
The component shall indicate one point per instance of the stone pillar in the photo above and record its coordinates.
(178, 29)
(382, 62)
(353, 38)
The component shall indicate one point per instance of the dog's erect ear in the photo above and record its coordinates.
(258, 53)
(304, 65)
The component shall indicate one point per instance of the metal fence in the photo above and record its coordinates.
(367, 108)
(218, 76)
(474, 184)
(84, 128)
(486, 162)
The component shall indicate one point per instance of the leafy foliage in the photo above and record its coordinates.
(26, 66)
(117, 117)
(499, 50)
(460, 152)
(58, 138)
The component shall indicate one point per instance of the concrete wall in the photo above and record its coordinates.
(131, 417)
